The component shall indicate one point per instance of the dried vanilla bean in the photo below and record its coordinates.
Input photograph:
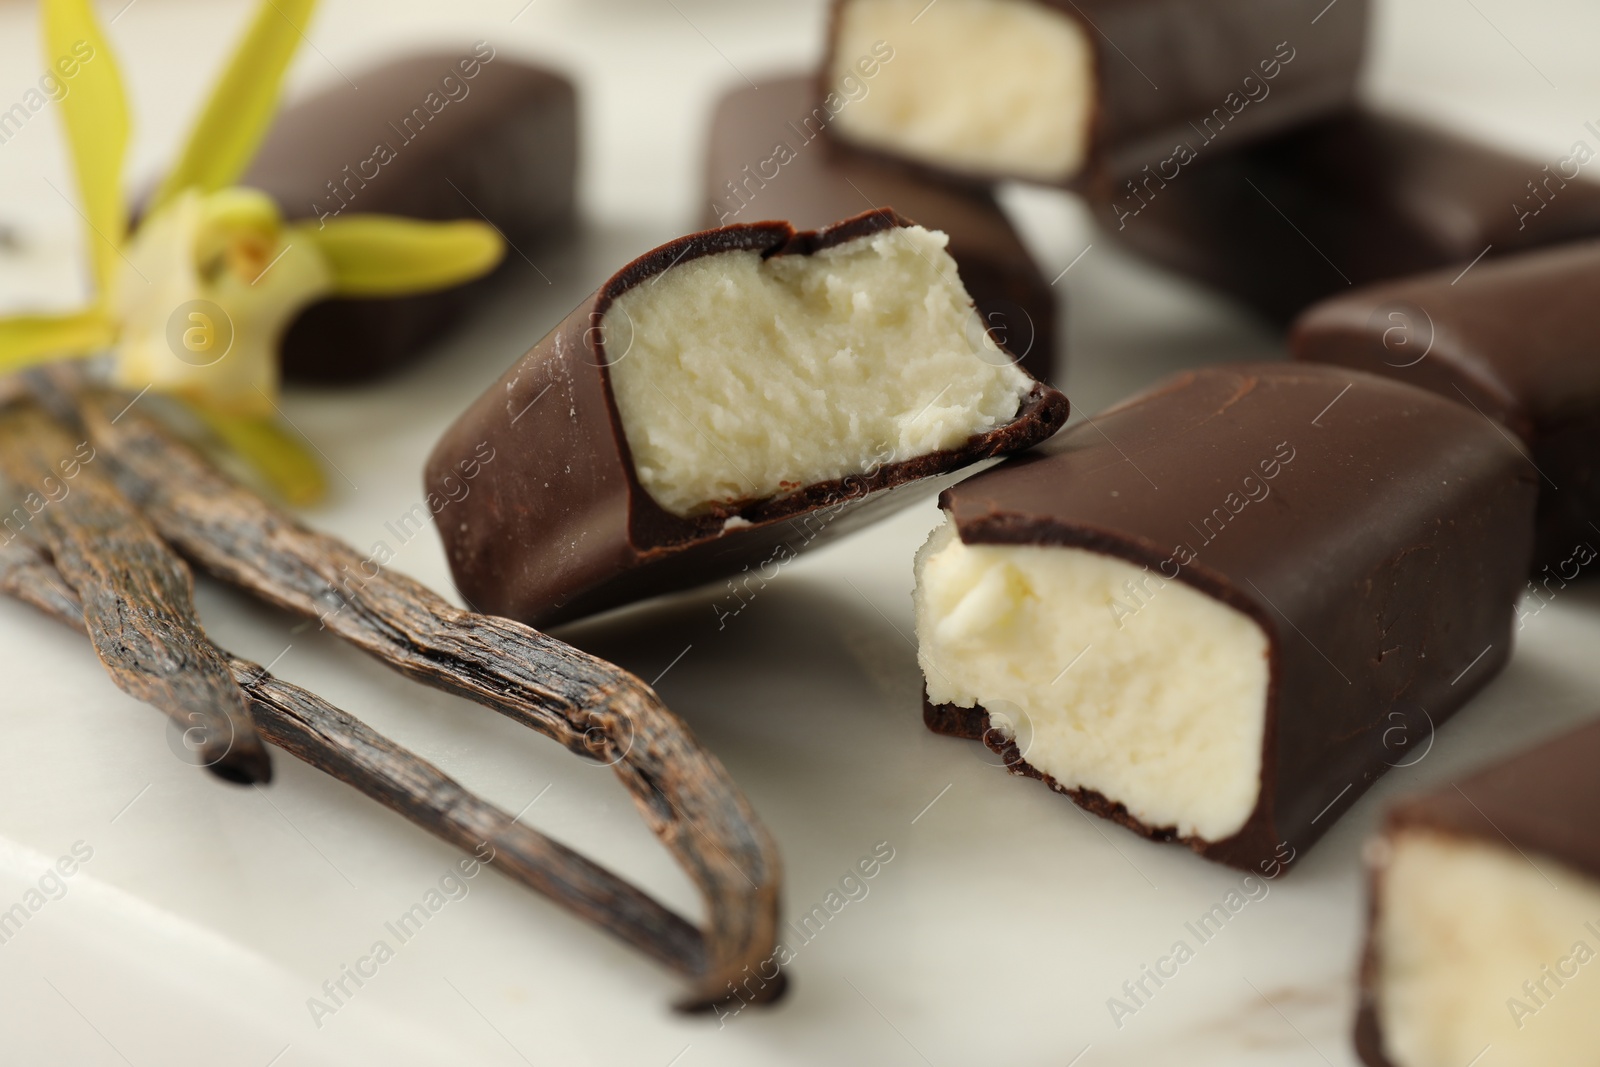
(312, 730)
(590, 706)
(138, 596)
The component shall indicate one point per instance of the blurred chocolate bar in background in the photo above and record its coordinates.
(1077, 92)
(1360, 198)
(1515, 339)
(463, 134)
(770, 159)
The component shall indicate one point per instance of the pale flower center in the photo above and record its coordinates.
(208, 290)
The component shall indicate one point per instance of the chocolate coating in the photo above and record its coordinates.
(506, 138)
(558, 526)
(1162, 67)
(1543, 802)
(1382, 561)
(1351, 200)
(822, 182)
(1514, 338)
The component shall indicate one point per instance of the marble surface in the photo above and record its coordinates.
(206, 917)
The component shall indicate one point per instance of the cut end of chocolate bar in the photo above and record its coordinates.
(765, 161)
(1202, 613)
(984, 88)
(740, 376)
(1160, 707)
(720, 405)
(1478, 944)
(1484, 926)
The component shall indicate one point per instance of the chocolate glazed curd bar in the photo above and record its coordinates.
(724, 402)
(1485, 917)
(1350, 200)
(1514, 338)
(463, 134)
(1195, 614)
(770, 159)
(1075, 92)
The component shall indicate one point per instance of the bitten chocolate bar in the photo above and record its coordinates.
(1195, 614)
(770, 159)
(1484, 929)
(725, 401)
(469, 134)
(1075, 92)
(1356, 199)
(1515, 339)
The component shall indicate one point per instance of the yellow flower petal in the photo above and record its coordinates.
(224, 286)
(29, 339)
(383, 255)
(96, 117)
(241, 106)
(282, 461)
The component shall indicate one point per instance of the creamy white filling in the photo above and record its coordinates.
(740, 378)
(1148, 692)
(1462, 926)
(988, 87)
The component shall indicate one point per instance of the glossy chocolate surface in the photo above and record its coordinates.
(1515, 339)
(557, 526)
(423, 138)
(1378, 534)
(1173, 71)
(1344, 202)
(767, 162)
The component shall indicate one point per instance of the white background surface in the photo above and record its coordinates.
(208, 915)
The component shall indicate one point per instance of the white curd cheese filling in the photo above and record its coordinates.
(1146, 691)
(739, 378)
(1480, 946)
(987, 87)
